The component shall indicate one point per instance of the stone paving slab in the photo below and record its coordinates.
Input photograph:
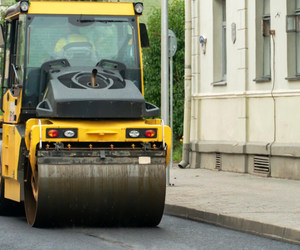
(265, 206)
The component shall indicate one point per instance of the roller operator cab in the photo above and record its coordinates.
(77, 147)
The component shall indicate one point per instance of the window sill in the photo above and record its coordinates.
(262, 79)
(293, 78)
(220, 83)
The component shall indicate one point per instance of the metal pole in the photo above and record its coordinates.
(171, 115)
(164, 63)
(165, 68)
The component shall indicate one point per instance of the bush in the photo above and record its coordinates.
(152, 62)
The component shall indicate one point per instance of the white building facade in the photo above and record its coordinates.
(242, 79)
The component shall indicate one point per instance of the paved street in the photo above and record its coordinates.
(261, 205)
(172, 233)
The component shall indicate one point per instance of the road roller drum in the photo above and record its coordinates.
(95, 194)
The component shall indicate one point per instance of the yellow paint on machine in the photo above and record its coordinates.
(10, 151)
(92, 131)
(12, 107)
(12, 190)
(10, 161)
(81, 8)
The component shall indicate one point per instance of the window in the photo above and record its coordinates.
(10, 50)
(293, 27)
(219, 43)
(263, 41)
(20, 46)
(83, 43)
(224, 44)
(266, 40)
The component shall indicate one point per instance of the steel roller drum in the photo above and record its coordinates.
(105, 195)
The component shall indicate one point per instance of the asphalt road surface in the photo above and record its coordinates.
(172, 233)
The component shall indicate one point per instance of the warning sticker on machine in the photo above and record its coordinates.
(11, 111)
(144, 160)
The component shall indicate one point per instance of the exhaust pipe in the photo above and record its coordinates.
(94, 75)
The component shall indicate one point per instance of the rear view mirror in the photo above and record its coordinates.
(1, 37)
(144, 36)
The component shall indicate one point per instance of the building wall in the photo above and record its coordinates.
(248, 120)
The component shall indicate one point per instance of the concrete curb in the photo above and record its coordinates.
(235, 223)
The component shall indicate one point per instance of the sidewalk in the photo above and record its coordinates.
(264, 206)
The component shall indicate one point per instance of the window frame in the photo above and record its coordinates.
(219, 76)
(263, 18)
(266, 73)
(224, 42)
(297, 36)
(293, 26)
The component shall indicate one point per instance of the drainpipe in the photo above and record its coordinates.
(187, 86)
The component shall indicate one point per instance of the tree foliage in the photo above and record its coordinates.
(152, 61)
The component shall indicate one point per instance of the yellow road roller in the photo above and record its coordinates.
(79, 142)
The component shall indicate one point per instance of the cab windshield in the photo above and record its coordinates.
(83, 40)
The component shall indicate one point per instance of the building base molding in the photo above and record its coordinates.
(279, 160)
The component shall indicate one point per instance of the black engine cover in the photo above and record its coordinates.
(69, 94)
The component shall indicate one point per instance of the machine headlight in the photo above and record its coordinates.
(134, 133)
(138, 8)
(24, 6)
(69, 133)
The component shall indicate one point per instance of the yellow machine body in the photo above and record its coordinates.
(93, 8)
(91, 131)
(13, 176)
(79, 170)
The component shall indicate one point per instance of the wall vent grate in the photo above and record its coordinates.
(218, 161)
(261, 164)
